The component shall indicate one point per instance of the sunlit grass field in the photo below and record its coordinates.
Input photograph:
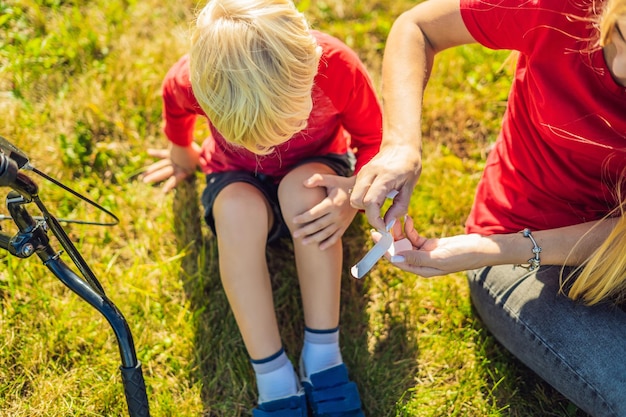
(80, 93)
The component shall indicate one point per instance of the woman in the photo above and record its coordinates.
(552, 175)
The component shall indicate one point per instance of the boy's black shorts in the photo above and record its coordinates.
(342, 164)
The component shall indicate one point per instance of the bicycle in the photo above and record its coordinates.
(32, 238)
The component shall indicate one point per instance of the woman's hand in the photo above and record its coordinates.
(394, 168)
(326, 223)
(433, 257)
(569, 245)
(175, 165)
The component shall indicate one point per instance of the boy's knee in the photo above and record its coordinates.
(294, 195)
(240, 203)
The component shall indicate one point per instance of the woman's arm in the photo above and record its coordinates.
(571, 245)
(415, 38)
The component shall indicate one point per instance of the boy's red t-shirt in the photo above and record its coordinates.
(346, 115)
(562, 147)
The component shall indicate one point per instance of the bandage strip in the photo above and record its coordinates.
(385, 244)
(369, 260)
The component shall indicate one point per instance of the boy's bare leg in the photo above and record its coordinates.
(242, 221)
(319, 271)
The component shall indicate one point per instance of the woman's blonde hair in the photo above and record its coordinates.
(603, 276)
(613, 10)
(252, 65)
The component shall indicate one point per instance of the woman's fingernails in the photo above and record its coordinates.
(396, 259)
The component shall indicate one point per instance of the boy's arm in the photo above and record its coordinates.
(180, 110)
(175, 164)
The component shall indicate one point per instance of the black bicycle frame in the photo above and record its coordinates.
(32, 238)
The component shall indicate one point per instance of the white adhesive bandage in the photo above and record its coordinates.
(384, 245)
(369, 260)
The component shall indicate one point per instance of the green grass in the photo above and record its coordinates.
(79, 92)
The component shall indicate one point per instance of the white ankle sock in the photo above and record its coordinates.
(275, 377)
(320, 350)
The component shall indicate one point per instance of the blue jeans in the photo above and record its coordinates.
(579, 350)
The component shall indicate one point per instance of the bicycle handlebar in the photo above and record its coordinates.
(132, 375)
(32, 238)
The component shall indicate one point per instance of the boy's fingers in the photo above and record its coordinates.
(158, 175)
(159, 153)
(157, 166)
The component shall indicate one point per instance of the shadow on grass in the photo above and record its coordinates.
(221, 362)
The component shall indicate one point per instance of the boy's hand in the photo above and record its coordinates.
(176, 164)
(326, 222)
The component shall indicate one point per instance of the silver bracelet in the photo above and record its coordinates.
(535, 261)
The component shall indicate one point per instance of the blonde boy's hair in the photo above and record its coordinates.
(252, 66)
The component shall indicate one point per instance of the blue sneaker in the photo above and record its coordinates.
(294, 406)
(331, 394)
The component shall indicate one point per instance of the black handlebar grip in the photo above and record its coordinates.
(8, 170)
(135, 391)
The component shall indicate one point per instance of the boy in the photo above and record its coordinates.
(287, 107)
